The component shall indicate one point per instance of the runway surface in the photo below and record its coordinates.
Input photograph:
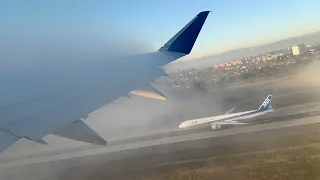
(276, 124)
(165, 135)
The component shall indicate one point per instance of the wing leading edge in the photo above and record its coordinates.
(184, 40)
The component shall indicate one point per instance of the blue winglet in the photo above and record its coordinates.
(184, 40)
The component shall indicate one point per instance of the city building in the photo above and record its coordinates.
(299, 49)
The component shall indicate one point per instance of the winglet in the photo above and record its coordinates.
(184, 40)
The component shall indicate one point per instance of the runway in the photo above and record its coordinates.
(297, 112)
(294, 121)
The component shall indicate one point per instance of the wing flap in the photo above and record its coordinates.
(80, 131)
(6, 140)
(149, 92)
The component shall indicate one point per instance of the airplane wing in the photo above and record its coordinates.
(231, 123)
(54, 99)
(230, 111)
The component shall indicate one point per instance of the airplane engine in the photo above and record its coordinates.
(215, 126)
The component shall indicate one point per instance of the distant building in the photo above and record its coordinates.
(299, 49)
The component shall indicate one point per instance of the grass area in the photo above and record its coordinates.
(292, 157)
(296, 163)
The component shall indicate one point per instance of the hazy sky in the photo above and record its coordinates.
(232, 23)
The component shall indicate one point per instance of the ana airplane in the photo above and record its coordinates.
(230, 118)
(56, 100)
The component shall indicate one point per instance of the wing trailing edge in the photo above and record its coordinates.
(80, 131)
(7, 139)
(76, 130)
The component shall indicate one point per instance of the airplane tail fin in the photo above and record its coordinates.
(266, 105)
(184, 40)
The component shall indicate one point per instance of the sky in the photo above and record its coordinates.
(95, 25)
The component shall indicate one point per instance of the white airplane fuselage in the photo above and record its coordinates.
(232, 118)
